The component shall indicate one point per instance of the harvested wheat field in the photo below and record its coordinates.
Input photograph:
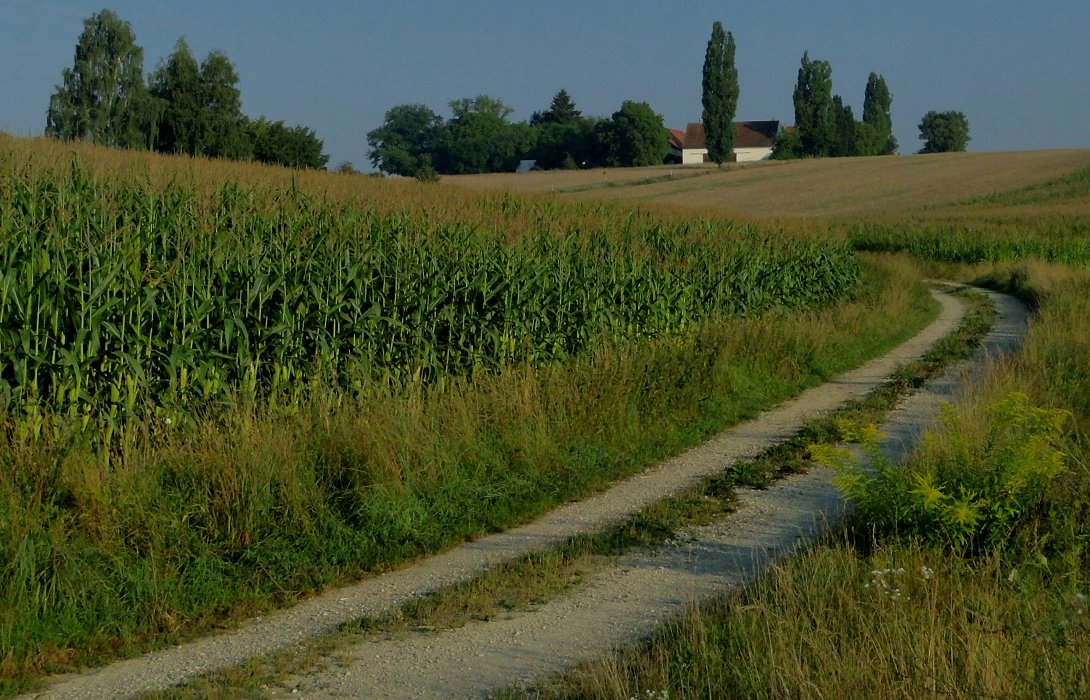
(808, 188)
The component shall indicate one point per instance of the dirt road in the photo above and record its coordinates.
(618, 604)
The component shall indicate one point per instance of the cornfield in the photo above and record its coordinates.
(221, 384)
(118, 296)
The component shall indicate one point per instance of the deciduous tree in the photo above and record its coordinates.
(720, 95)
(565, 145)
(176, 83)
(787, 145)
(406, 141)
(944, 131)
(479, 139)
(844, 141)
(292, 147)
(877, 102)
(102, 97)
(637, 136)
(221, 107)
(202, 106)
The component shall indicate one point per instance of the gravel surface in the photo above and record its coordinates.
(619, 604)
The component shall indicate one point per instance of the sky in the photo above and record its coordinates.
(1020, 71)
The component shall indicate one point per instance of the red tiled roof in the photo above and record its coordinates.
(677, 139)
(755, 134)
(746, 134)
(694, 136)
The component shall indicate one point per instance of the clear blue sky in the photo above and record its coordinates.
(1020, 70)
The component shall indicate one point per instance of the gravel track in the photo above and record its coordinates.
(618, 604)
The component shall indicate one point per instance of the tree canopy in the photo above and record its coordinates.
(719, 95)
(176, 83)
(844, 130)
(787, 145)
(561, 111)
(567, 145)
(637, 136)
(201, 106)
(186, 107)
(290, 146)
(877, 100)
(102, 97)
(814, 115)
(943, 132)
(221, 105)
(406, 141)
(479, 139)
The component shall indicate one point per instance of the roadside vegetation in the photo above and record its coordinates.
(184, 466)
(962, 574)
(221, 394)
(527, 582)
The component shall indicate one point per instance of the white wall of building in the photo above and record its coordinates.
(693, 156)
(748, 155)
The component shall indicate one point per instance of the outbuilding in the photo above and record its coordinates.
(752, 142)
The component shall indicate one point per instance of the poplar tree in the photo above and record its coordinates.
(814, 115)
(720, 95)
(876, 114)
(844, 143)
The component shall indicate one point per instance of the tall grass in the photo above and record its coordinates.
(899, 613)
(1064, 240)
(241, 510)
(222, 393)
(895, 622)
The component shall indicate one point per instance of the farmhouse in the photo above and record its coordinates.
(752, 141)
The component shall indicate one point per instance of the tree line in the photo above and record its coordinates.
(826, 127)
(479, 137)
(182, 107)
(414, 141)
(192, 107)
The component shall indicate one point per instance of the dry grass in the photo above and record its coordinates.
(893, 618)
(829, 625)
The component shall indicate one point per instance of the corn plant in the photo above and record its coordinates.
(118, 297)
